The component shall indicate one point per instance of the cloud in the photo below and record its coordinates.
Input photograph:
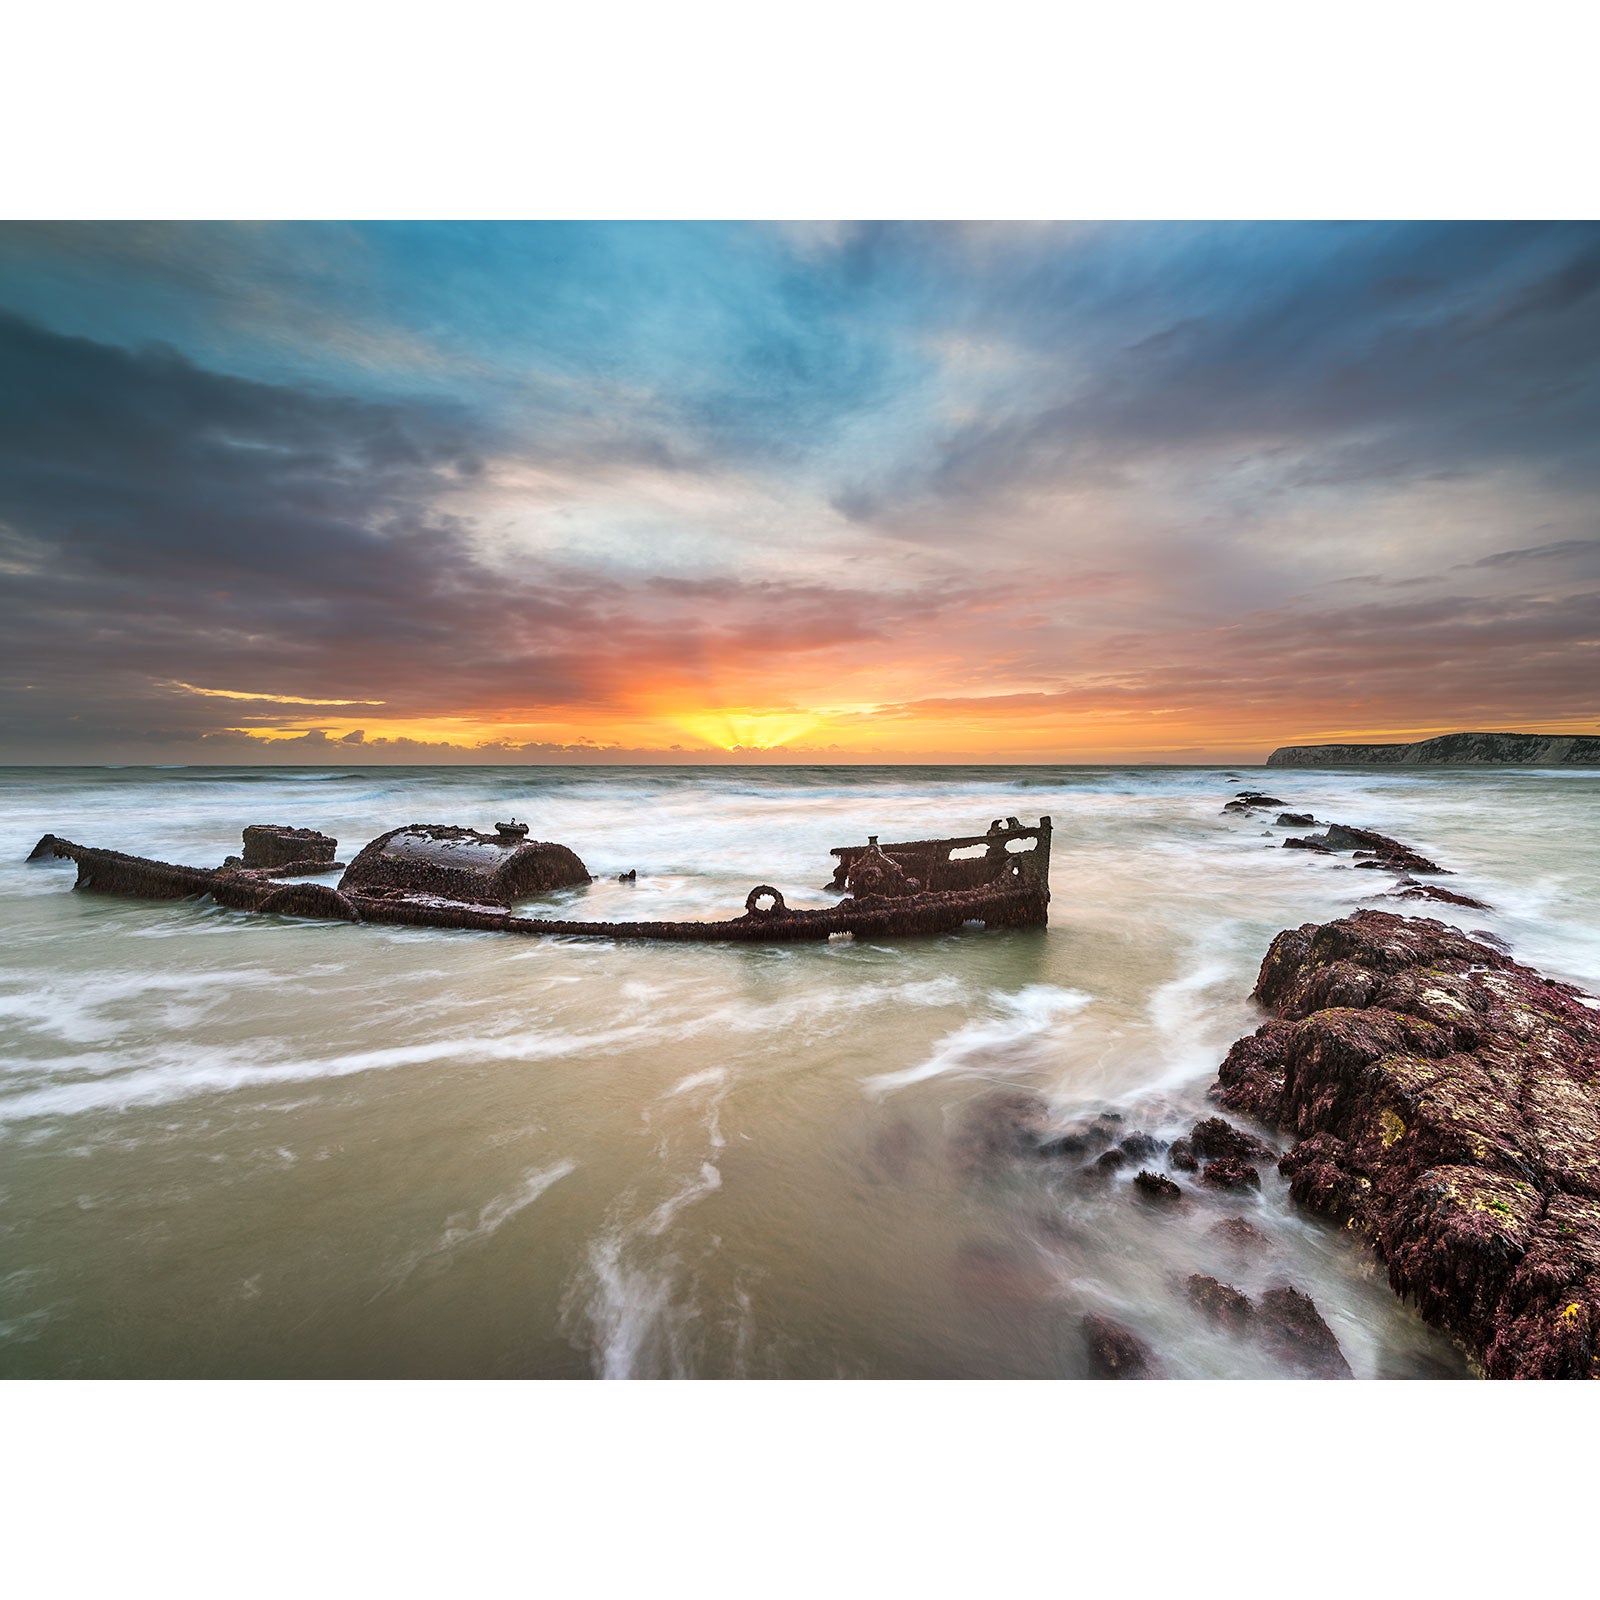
(1560, 550)
(564, 488)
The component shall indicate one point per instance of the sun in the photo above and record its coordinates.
(746, 730)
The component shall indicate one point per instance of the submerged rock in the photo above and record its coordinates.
(1445, 1103)
(1241, 1235)
(1220, 1302)
(1293, 1330)
(1114, 1351)
(1008, 1124)
(1432, 891)
(1139, 1146)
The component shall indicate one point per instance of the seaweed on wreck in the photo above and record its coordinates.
(440, 876)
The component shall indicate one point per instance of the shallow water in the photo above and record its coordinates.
(237, 1145)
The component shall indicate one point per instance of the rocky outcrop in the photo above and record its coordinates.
(1450, 749)
(1445, 1103)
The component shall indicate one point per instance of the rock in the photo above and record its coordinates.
(1296, 819)
(1111, 1160)
(1157, 1187)
(1241, 1235)
(1220, 1302)
(1445, 1104)
(1214, 1137)
(1380, 849)
(1140, 1146)
(1230, 1173)
(1115, 1352)
(1310, 842)
(1321, 1177)
(999, 1126)
(1432, 891)
(1182, 1157)
(1293, 1329)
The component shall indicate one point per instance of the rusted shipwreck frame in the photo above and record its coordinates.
(433, 876)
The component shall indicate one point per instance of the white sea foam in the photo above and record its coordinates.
(707, 1181)
(994, 1045)
(627, 1309)
(698, 1080)
(493, 1215)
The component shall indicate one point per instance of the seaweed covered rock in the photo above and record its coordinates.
(1213, 1137)
(1293, 1330)
(1240, 1236)
(1230, 1173)
(1445, 1103)
(1157, 1186)
(1220, 1302)
(1114, 1351)
(1410, 890)
(1379, 848)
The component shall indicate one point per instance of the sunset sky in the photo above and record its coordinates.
(833, 492)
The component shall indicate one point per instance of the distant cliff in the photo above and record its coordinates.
(1450, 750)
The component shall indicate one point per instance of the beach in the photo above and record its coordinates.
(264, 1146)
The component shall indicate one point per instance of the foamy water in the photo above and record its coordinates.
(232, 1144)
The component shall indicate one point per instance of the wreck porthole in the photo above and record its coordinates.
(764, 891)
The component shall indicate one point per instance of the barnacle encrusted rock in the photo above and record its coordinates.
(1445, 1102)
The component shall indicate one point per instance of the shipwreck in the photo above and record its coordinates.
(435, 875)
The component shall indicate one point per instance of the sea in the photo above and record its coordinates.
(234, 1145)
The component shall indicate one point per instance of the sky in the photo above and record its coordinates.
(820, 492)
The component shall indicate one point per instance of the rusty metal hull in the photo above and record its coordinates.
(1011, 890)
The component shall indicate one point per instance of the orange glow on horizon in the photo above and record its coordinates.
(973, 733)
